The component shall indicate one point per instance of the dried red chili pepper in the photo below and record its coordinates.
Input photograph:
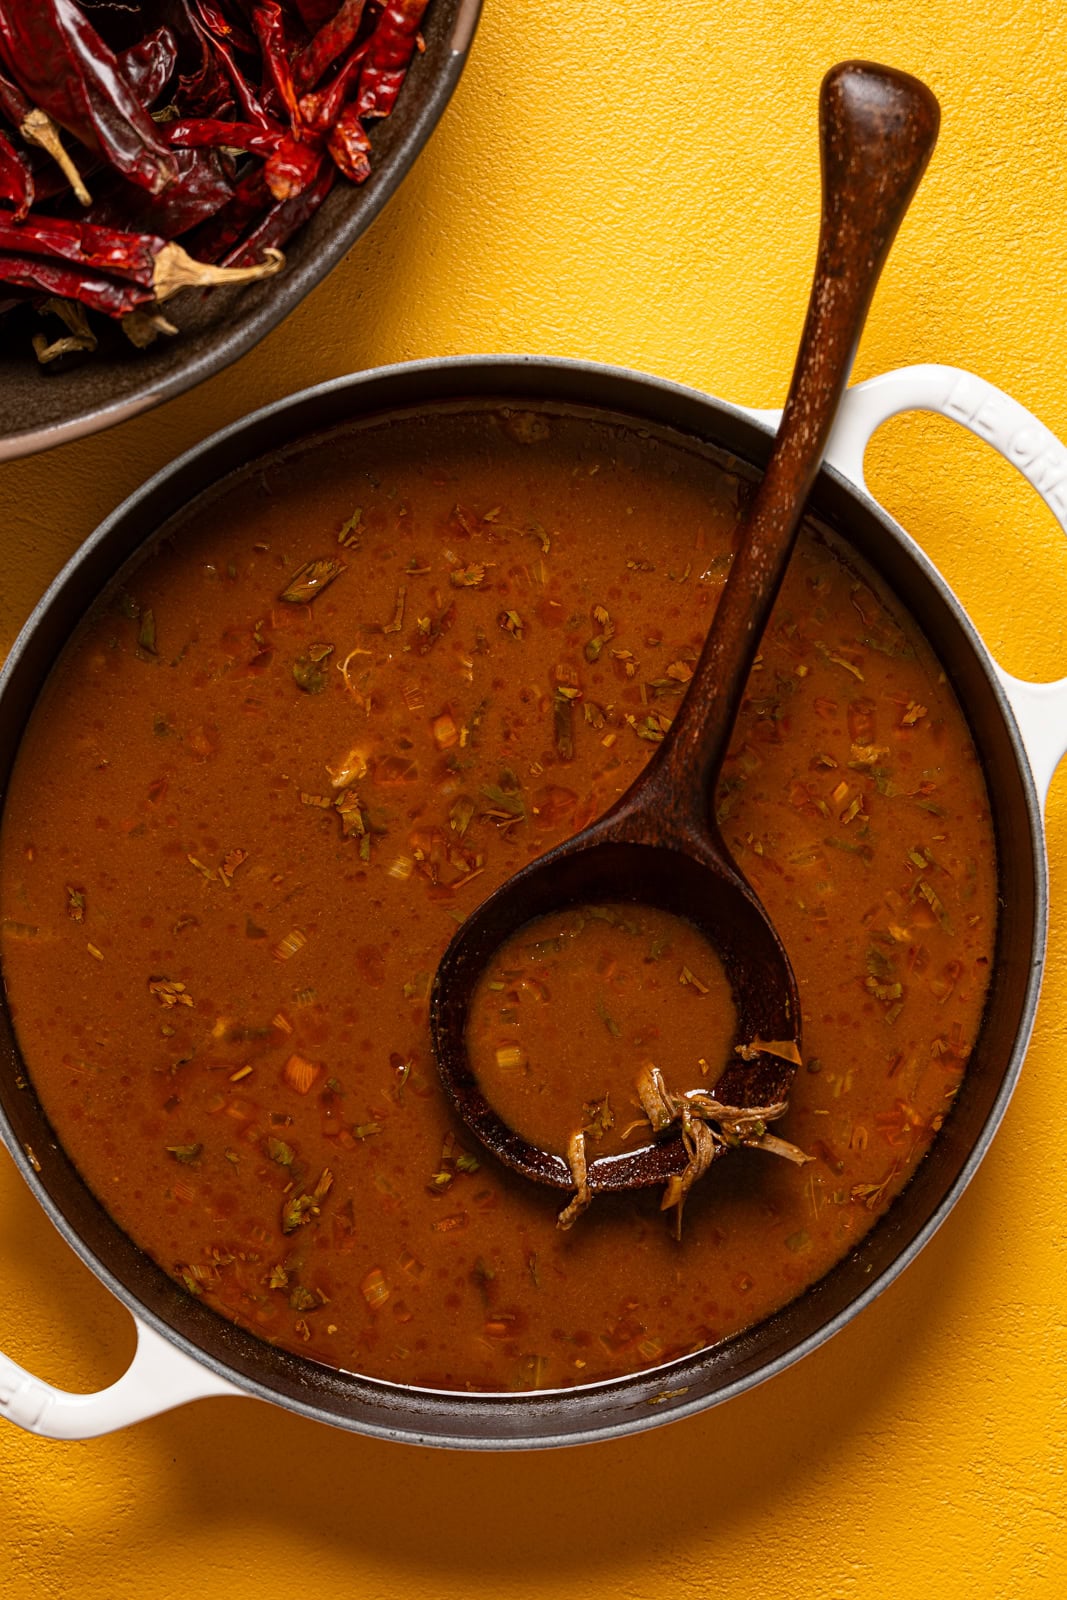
(267, 101)
(220, 25)
(154, 263)
(61, 63)
(37, 128)
(282, 220)
(392, 46)
(220, 233)
(292, 166)
(205, 184)
(349, 145)
(114, 299)
(198, 133)
(16, 179)
(269, 24)
(250, 103)
(203, 88)
(332, 40)
(321, 109)
(13, 103)
(148, 65)
(316, 13)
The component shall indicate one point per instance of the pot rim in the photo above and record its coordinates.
(484, 377)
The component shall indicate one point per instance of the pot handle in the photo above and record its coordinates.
(158, 1378)
(1040, 709)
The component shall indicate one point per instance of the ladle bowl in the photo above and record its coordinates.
(687, 882)
(659, 845)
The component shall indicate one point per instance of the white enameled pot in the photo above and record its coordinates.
(183, 1351)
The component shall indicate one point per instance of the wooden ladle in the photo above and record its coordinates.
(660, 844)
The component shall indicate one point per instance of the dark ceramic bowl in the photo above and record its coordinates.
(39, 409)
(185, 1351)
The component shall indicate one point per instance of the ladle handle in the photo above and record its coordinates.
(877, 130)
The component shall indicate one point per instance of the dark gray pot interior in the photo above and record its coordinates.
(508, 1421)
(41, 407)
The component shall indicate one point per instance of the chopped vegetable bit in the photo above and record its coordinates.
(75, 904)
(930, 895)
(349, 769)
(374, 1289)
(188, 1154)
(839, 660)
(445, 730)
(460, 815)
(784, 1049)
(146, 638)
(471, 577)
(310, 675)
(300, 1074)
(606, 1018)
(311, 580)
(230, 862)
(600, 1118)
(298, 1210)
(349, 533)
(169, 993)
(290, 946)
(595, 645)
(563, 723)
(398, 612)
(507, 805)
(652, 727)
(353, 822)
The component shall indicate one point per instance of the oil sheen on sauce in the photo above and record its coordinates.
(340, 700)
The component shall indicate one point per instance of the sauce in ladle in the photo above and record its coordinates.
(577, 1006)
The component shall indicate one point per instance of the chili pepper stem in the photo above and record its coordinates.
(144, 326)
(69, 344)
(176, 269)
(39, 129)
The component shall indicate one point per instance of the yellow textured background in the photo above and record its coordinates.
(636, 181)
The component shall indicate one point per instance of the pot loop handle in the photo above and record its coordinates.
(159, 1377)
(1040, 709)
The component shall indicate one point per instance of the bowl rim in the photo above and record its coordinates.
(294, 284)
